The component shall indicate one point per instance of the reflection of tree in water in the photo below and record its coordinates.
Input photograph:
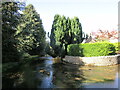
(67, 76)
(29, 78)
(7, 82)
(119, 70)
(73, 76)
(63, 75)
(26, 78)
(99, 74)
(9, 76)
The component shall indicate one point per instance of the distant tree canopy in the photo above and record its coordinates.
(65, 31)
(31, 34)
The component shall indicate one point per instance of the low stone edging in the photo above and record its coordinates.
(96, 61)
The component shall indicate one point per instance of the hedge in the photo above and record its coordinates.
(91, 49)
(117, 47)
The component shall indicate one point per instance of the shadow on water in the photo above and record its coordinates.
(52, 73)
(67, 76)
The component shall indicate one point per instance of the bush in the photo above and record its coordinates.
(91, 49)
(117, 47)
(74, 50)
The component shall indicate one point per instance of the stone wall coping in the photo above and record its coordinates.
(94, 57)
(96, 61)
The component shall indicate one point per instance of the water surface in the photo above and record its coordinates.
(51, 73)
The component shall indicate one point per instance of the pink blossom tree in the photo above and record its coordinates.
(104, 35)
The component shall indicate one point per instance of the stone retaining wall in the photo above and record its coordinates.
(96, 61)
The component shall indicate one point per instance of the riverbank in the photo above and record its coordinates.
(94, 61)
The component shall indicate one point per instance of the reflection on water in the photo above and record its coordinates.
(46, 81)
(51, 74)
(116, 81)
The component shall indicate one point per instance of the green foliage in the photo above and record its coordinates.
(30, 34)
(21, 33)
(49, 50)
(54, 52)
(117, 47)
(10, 20)
(74, 50)
(65, 31)
(91, 49)
(98, 49)
(76, 31)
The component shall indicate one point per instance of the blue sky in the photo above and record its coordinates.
(93, 14)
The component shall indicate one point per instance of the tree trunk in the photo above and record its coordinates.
(66, 49)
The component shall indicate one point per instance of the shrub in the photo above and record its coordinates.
(117, 47)
(74, 50)
(91, 49)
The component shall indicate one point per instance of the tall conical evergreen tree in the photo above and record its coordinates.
(10, 20)
(76, 30)
(54, 36)
(54, 26)
(73, 33)
(60, 30)
(31, 34)
(65, 31)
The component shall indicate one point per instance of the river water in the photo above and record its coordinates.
(51, 73)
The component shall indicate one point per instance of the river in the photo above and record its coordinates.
(50, 73)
